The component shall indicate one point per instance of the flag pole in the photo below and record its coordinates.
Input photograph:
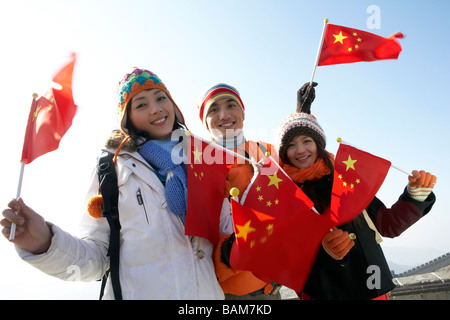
(401, 170)
(23, 161)
(393, 166)
(318, 51)
(19, 188)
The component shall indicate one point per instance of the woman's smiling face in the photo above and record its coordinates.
(152, 111)
(302, 151)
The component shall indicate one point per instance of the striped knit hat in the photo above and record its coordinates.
(299, 124)
(214, 93)
(135, 82)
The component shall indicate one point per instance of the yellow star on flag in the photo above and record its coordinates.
(274, 180)
(35, 114)
(270, 229)
(244, 230)
(350, 163)
(339, 38)
(197, 155)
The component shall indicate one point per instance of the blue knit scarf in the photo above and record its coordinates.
(159, 157)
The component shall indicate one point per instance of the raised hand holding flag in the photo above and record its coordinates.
(49, 119)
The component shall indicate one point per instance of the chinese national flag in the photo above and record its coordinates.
(357, 177)
(50, 117)
(277, 234)
(347, 45)
(281, 249)
(208, 166)
(274, 193)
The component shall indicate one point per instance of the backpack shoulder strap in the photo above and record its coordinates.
(110, 210)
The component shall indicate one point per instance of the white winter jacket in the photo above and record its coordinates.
(157, 261)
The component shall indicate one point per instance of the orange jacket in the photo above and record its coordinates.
(232, 281)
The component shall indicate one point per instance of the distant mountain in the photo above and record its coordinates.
(399, 268)
(401, 259)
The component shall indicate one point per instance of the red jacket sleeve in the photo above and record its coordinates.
(391, 222)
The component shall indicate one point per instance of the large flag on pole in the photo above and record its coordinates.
(50, 116)
(208, 167)
(277, 233)
(357, 177)
(347, 45)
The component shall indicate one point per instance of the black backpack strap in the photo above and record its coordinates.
(110, 210)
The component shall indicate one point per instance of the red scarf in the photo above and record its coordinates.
(316, 171)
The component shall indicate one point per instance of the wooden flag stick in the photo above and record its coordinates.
(401, 170)
(319, 51)
(19, 188)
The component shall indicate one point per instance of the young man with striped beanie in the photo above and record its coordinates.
(222, 112)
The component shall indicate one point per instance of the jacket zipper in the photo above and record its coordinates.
(141, 203)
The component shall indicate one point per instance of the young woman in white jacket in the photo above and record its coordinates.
(157, 260)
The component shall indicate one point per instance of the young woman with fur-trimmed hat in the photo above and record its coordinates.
(341, 267)
(157, 260)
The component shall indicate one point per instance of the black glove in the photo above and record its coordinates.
(225, 251)
(305, 96)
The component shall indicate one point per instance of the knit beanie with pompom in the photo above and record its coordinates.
(132, 84)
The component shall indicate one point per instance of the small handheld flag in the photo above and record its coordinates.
(49, 119)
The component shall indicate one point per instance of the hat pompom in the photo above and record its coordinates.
(94, 206)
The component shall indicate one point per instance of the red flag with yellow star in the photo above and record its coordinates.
(274, 193)
(347, 45)
(280, 248)
(357, 177)
(277, 234)
(208, 167)
(50, 117)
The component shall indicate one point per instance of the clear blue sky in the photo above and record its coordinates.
(395, 109)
